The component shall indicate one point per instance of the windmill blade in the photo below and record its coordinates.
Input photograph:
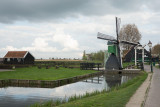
(144, 45)
(128, 42)
(118, 22)
(105, 37)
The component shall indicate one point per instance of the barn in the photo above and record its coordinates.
(18, 57)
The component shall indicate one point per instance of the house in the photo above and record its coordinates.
(1, 60)
(18, 57)
(89, 57)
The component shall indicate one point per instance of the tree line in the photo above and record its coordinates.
(94, 56)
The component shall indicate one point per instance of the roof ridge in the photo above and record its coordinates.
(16, 54)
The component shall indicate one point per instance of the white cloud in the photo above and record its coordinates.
(9, 48)
(65, 40)
(41, 44)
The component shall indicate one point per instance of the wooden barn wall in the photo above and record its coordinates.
(29, 59)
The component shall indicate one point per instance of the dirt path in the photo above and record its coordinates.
(4, 70)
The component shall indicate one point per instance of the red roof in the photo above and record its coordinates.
(15, 54)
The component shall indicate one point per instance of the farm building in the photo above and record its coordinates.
(1, 60)
(89, 57)
(18, 57)
(130, 55)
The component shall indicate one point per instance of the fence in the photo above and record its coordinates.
(89, 66)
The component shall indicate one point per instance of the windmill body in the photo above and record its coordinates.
(112, 60)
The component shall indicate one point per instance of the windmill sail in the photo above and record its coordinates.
(119, 56)
(105, 37)
(128, 42)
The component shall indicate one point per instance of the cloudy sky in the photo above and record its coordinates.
(65, 28)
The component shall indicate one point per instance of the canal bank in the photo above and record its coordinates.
(45, 83)
(25, 96)
(117, 96)
(60, 82)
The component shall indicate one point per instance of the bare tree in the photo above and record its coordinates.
(156, 49)
(129, 32)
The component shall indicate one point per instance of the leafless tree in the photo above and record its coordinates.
(129, 32)
(156, 49)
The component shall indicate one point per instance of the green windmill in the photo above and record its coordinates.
(114, 61)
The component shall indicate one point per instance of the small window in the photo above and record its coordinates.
(19, 59)
(8, 59)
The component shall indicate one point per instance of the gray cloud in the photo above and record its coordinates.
(76, 24)
(153, 5)
(45, 10)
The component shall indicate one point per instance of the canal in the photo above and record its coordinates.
(25, 96)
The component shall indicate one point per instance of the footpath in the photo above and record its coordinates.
(153, 97)
(148, 94)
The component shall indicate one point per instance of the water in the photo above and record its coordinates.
(25, 96)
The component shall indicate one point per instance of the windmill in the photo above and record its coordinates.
(114, 60)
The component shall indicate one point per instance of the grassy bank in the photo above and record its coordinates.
(125, 64)
(33, 73)
(116, 97)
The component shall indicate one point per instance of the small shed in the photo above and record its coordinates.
(89, 57)
(18, 57)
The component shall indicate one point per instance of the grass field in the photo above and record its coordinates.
(33, 73)
(116, 97)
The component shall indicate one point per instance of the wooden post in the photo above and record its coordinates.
(143, 55)
(98, 67)
(135, 57)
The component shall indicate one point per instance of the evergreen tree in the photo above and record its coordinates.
(84, 56)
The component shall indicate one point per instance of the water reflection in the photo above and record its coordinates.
(117, 79)
(24, 96)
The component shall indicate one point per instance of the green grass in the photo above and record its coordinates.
(125, 64)
(33, 73)
(116, 97)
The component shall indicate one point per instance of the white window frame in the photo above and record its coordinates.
(19, 59)
(8, 59)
